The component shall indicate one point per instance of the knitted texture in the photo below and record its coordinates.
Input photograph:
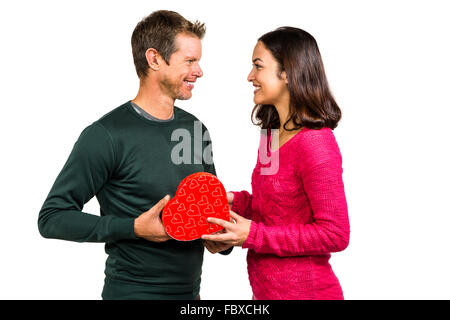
(299, 215)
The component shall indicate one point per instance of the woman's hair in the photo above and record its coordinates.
(311, 103)
(158, 31)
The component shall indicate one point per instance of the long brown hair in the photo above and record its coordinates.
(311, 103)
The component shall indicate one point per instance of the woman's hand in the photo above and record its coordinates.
(235, 233)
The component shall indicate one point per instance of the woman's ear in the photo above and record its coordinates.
(153, 59)
(284, 77)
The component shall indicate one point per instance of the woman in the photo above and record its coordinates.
(297, 213)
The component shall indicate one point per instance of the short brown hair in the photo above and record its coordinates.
(158, 31)
(312, 104)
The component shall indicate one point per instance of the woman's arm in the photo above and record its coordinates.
(242, 203)
(321, 173)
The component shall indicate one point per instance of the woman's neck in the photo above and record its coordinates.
(283, 115)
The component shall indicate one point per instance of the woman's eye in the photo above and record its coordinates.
(257, 66)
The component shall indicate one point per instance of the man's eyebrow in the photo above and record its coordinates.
(256, 59)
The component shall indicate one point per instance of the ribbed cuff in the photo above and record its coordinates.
(250, 242)
(122, 228)
(226, 252)
(237, 202)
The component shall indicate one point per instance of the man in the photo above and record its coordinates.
(125, 159)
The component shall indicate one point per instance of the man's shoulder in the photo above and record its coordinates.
(184, 115)
(116, 113)
(117, 119)
(123, 117)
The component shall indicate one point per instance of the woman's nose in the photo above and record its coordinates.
(251, 76)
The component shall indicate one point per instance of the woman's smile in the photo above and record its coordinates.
(257, 88)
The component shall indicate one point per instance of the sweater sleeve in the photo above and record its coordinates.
(88, 168)
(242, 203)
(320, 170)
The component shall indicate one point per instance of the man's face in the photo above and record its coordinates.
(183, 70)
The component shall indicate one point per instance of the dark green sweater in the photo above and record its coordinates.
(125, 161)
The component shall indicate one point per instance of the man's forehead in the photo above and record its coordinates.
(187, 49)
(185, 41)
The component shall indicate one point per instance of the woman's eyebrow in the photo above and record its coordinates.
(257, 59)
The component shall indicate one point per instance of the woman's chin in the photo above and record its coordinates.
(258, 101)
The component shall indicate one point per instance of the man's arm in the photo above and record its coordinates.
(88, 168)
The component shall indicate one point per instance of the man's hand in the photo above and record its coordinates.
(149, 226)
(230, 198)
(214, 246)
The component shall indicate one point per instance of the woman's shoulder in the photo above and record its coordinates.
(315, 137)
(317, 144)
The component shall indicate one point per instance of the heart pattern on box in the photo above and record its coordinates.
(199, 196)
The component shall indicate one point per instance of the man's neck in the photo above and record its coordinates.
(151, 99)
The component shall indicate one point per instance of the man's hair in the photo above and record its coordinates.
(158, 31)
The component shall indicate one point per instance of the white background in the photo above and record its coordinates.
(66, 63)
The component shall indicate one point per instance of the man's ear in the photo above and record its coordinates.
(154, 59)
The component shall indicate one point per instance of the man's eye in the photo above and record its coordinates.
(190, 61)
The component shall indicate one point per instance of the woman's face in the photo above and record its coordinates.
(270, 88)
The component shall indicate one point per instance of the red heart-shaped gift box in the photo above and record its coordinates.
(199, 196)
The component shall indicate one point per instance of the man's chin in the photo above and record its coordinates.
(184, 96)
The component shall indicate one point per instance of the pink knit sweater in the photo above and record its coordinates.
(299, 215)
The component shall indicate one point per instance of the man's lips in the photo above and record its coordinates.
(189, 84)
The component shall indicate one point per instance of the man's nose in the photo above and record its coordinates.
(198, 72)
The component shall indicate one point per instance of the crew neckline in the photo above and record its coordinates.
(153, 122)
(147, 115)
